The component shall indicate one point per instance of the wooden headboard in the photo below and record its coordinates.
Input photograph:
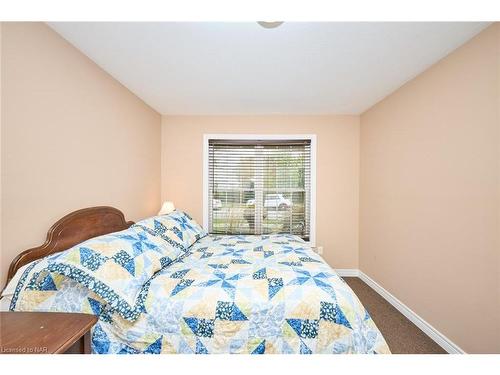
(71, 230)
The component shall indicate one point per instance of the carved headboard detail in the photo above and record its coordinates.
(71, 230)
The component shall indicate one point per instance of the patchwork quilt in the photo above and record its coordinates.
(223, 294)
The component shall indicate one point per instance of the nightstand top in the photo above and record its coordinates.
(41, 332)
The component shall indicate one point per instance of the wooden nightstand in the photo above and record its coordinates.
(45, 332)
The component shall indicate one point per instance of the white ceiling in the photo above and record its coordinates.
(242, 68)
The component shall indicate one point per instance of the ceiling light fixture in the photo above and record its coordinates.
(270, 24)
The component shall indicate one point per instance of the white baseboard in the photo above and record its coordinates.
(347, 272)
(428, 329)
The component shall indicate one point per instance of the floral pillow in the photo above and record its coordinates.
(177, 228)
(116, 267)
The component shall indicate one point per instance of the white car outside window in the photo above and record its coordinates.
(274, 201)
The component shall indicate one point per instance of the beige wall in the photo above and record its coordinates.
(430, 194)
(72, 137)
(337, 170)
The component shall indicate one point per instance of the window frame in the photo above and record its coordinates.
(286, 137)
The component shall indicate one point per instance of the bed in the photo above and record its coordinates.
(163, 285)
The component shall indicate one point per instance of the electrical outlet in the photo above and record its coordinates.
(318, 250)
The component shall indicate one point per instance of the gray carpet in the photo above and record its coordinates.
(402, 336)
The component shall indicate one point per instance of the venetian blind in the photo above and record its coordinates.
(259, 186)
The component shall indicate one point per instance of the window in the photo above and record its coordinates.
(259, 185)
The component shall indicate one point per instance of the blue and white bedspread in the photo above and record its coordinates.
(224, 294)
